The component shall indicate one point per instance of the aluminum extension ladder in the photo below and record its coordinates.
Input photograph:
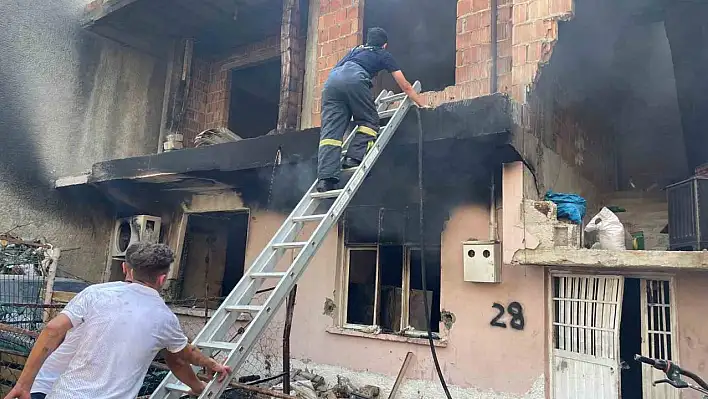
(211, 338)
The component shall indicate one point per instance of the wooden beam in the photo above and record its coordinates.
(401, 375)
(252, 54)
(63, 296)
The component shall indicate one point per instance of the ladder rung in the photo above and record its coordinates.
(388, 113)
(178, 388)
(222, 346)
(244, 308)
(327, 194)
(269, 274)
(290, 245)
(309, 218)
(393, 98)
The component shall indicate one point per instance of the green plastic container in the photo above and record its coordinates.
(638, 241)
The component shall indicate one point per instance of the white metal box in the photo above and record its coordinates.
(482, 261)
(130, 230)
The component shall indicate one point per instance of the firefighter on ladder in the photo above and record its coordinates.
(347, 94)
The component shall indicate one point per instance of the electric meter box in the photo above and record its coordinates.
(482, 261)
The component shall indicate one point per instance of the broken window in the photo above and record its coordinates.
(255, 95)
(384, 274)
(422, 38)
(213, 257)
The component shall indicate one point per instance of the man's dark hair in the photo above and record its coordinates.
(149, 261)
(376, 37)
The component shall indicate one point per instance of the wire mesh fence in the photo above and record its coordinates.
(23, 286)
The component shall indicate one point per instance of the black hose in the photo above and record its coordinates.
(424, 273)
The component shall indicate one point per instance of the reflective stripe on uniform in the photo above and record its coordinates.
(332, 142)
(367, 130)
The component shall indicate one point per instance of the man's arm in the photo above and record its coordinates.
(49, 339)
(192, 355)
(407, 88)
(184, 372)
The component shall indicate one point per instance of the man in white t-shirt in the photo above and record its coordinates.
(122, 327)
(59, 360)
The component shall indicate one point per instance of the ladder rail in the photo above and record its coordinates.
(315, 241)
(224, 319)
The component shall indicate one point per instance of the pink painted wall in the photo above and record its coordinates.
(692, 302)
(478, 355)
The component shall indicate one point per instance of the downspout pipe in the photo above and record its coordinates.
(494, 47)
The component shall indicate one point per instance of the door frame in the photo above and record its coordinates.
(551, 273)
(646, 378)
(555, 272)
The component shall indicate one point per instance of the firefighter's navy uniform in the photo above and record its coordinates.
(347, 94)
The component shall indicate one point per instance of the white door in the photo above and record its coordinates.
(658, 335)
(585, 326)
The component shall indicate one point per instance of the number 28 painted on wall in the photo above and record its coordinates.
(517, 316)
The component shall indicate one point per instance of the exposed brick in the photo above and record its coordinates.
(504, 83)
(352, 12)
(464, 40)
(460, 57)
(533, 52)
(322, 35)
(560, 7)
(341, 15)
(523, 33)
(479, 5)
(462, 74)
(481, 36)
(504, 13)
(334, 32)
(464, 7)
(328, 20)
(462, 25)
(479, 20)
(480, 71)
(520, 13)
(519, 54)
(352, 41)
(503, 31)
(504, 65)
(504, 49)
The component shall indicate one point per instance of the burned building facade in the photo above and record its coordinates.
(597, 98)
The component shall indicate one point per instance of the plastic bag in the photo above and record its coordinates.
(570, 206)
(610, 231)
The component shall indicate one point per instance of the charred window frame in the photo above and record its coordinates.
(379, 265)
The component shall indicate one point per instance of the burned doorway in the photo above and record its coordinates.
(647, 328)
(599, 323)
(213, 257)
(254, 100)
(585, 335)
(422, 38)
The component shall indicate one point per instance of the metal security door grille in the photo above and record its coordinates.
(585, 326)
(658, 338)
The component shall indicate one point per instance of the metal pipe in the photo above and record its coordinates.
(493, 75)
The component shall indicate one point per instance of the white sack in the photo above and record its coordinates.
(610, 231)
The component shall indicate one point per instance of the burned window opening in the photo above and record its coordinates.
(254, 100)
(422, 38)
(384, 271)
(213, 257)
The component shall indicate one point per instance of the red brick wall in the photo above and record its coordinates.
(195, 116)
(208, 102)
(339, 29)
(526, 32)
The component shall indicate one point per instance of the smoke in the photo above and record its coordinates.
(38, 79)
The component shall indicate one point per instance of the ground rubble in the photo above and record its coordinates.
(307, 385)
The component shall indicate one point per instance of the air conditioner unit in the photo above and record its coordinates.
(133, 229)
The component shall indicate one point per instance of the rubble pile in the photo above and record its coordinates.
(307, 385)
